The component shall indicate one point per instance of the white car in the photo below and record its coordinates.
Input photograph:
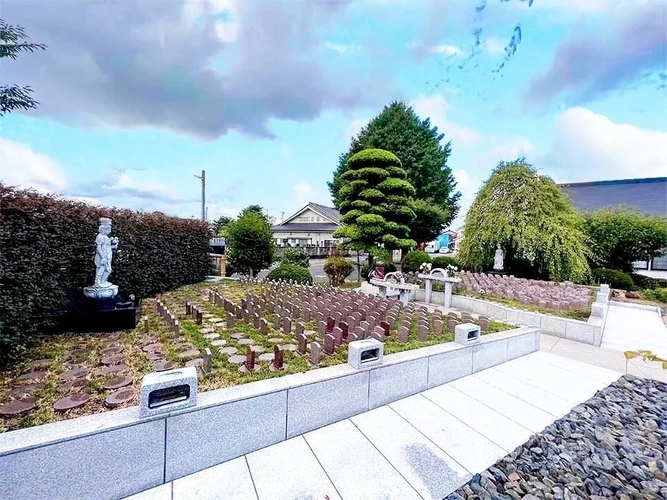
(444, 250)
(432, 247)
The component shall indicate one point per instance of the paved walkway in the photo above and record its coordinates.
(630, 329)
(421, 447)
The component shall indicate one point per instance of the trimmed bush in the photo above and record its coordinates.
(647, 283)
(289, 272)
(337, 269)
(657, 294)
(48, 245)
(413, 260)
(613, 278)
(296, 256)
(443, 262)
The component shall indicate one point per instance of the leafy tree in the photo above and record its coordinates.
(429, 222)
(337, 269)
(296, 256)
(419, 147)
(258, 209)
(220, 225)
(620, 236)
(13, 41)
(530, 219)
(375, 202)
(250, 244)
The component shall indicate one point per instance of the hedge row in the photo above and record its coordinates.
(47, 246)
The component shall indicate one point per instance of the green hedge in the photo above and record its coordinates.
(297, 256)
(291, 272)
(613, 278)
(413, 260)
(647, 283)
(48, 245)
(443, 261)
(337, 269)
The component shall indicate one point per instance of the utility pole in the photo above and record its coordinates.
(282, 217)
(202, 177)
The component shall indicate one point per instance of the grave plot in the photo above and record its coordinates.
(233, 333)
(561, 298)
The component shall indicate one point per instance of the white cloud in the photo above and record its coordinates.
(226, 29)
(435, 107)
(444, 49)
(341, 48)
(448, 50)
(20, 166)
(588, 146)
(494, 46)
(354, 127)
(302, 192)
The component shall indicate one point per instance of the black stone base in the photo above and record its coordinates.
(103, 315)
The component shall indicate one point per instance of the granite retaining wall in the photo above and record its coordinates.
(116, 454)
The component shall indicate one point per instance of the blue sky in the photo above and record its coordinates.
(266, 94)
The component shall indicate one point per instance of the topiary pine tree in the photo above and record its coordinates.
(375, 202)
(419, 145)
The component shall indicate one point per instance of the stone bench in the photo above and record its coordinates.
(394, 281)
(439, 275)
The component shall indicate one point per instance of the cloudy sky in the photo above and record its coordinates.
(137, 97)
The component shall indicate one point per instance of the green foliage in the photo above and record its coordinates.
(250, 243)
(646, 356)
(296, 256)
(13, 41)
(220, 225)
(657, 294)
(420, 148)
(374, 213)
(429, 222)
(647, 283)
(337, 269)
(47, 258)
(614, 278)
(443, 261)
(289, 272)
(413, 260)
(620, 236)
(528, 216)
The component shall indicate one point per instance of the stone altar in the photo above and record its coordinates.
(441, 275)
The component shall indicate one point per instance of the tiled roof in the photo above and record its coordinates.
(649, 196)
(330, 212)
(309, 228)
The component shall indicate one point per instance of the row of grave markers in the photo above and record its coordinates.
(163, 312)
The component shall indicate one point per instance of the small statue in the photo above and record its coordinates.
(498, 260)
(102, 288)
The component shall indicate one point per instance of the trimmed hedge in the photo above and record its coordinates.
(413, 260)
(613, 278)
(47, 248)
(443, 261)
(647, 283)
(288, 272)
(297, 256)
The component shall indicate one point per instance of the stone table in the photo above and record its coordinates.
(441, 276)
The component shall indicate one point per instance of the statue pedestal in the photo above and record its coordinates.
(99, 314)
(101, 292)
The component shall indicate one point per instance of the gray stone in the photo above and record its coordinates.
(179, 385)
(466, 334)
(365, 353)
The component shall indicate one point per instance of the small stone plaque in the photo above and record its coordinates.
(73, 373)
(117, 382)
(108, 370)
(163, 366)
(237, 359)
(72, 401)
(112, 350)
(120, 397)
(75, 384)
(190, 353)
(36, 375)
(18, 407)
(218, 342)
(113, 359)
(25, 390)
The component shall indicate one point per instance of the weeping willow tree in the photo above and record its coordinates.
(531, 220)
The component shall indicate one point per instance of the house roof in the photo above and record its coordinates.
(313, 227)
(328, 213)
(649, 195)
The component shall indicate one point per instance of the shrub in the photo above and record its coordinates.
(47, 258)
(613, 278)
(443, 262)
(296, 256)
(657, 294)
(250, 243)
(289, 272)
(337, 269)
(647, 283)
(412, 261)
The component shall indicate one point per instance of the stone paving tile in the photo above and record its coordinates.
(531, 394)
(289, 470)
(595, 373)
(426, 467)
(355, 466)
(162, 492)
(461, 442)
(525, 414)
(496, 427)
(230, 480)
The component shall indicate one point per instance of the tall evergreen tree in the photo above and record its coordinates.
(418, 145)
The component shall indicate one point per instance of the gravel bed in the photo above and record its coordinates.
(612, 446)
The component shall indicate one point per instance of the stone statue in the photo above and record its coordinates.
(498, 260)
(102, 288)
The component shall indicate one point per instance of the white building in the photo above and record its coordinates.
(312, 226)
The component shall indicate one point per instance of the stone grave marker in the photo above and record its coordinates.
(287, 326)
(403, 333)
(451, 324)
(345, 328)
(422, 333)
(277, 320)
(329, 344)
(437, 327)
(302, 342)
(484, 323)
(315, 356)
(278, 359)
(337, 335)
